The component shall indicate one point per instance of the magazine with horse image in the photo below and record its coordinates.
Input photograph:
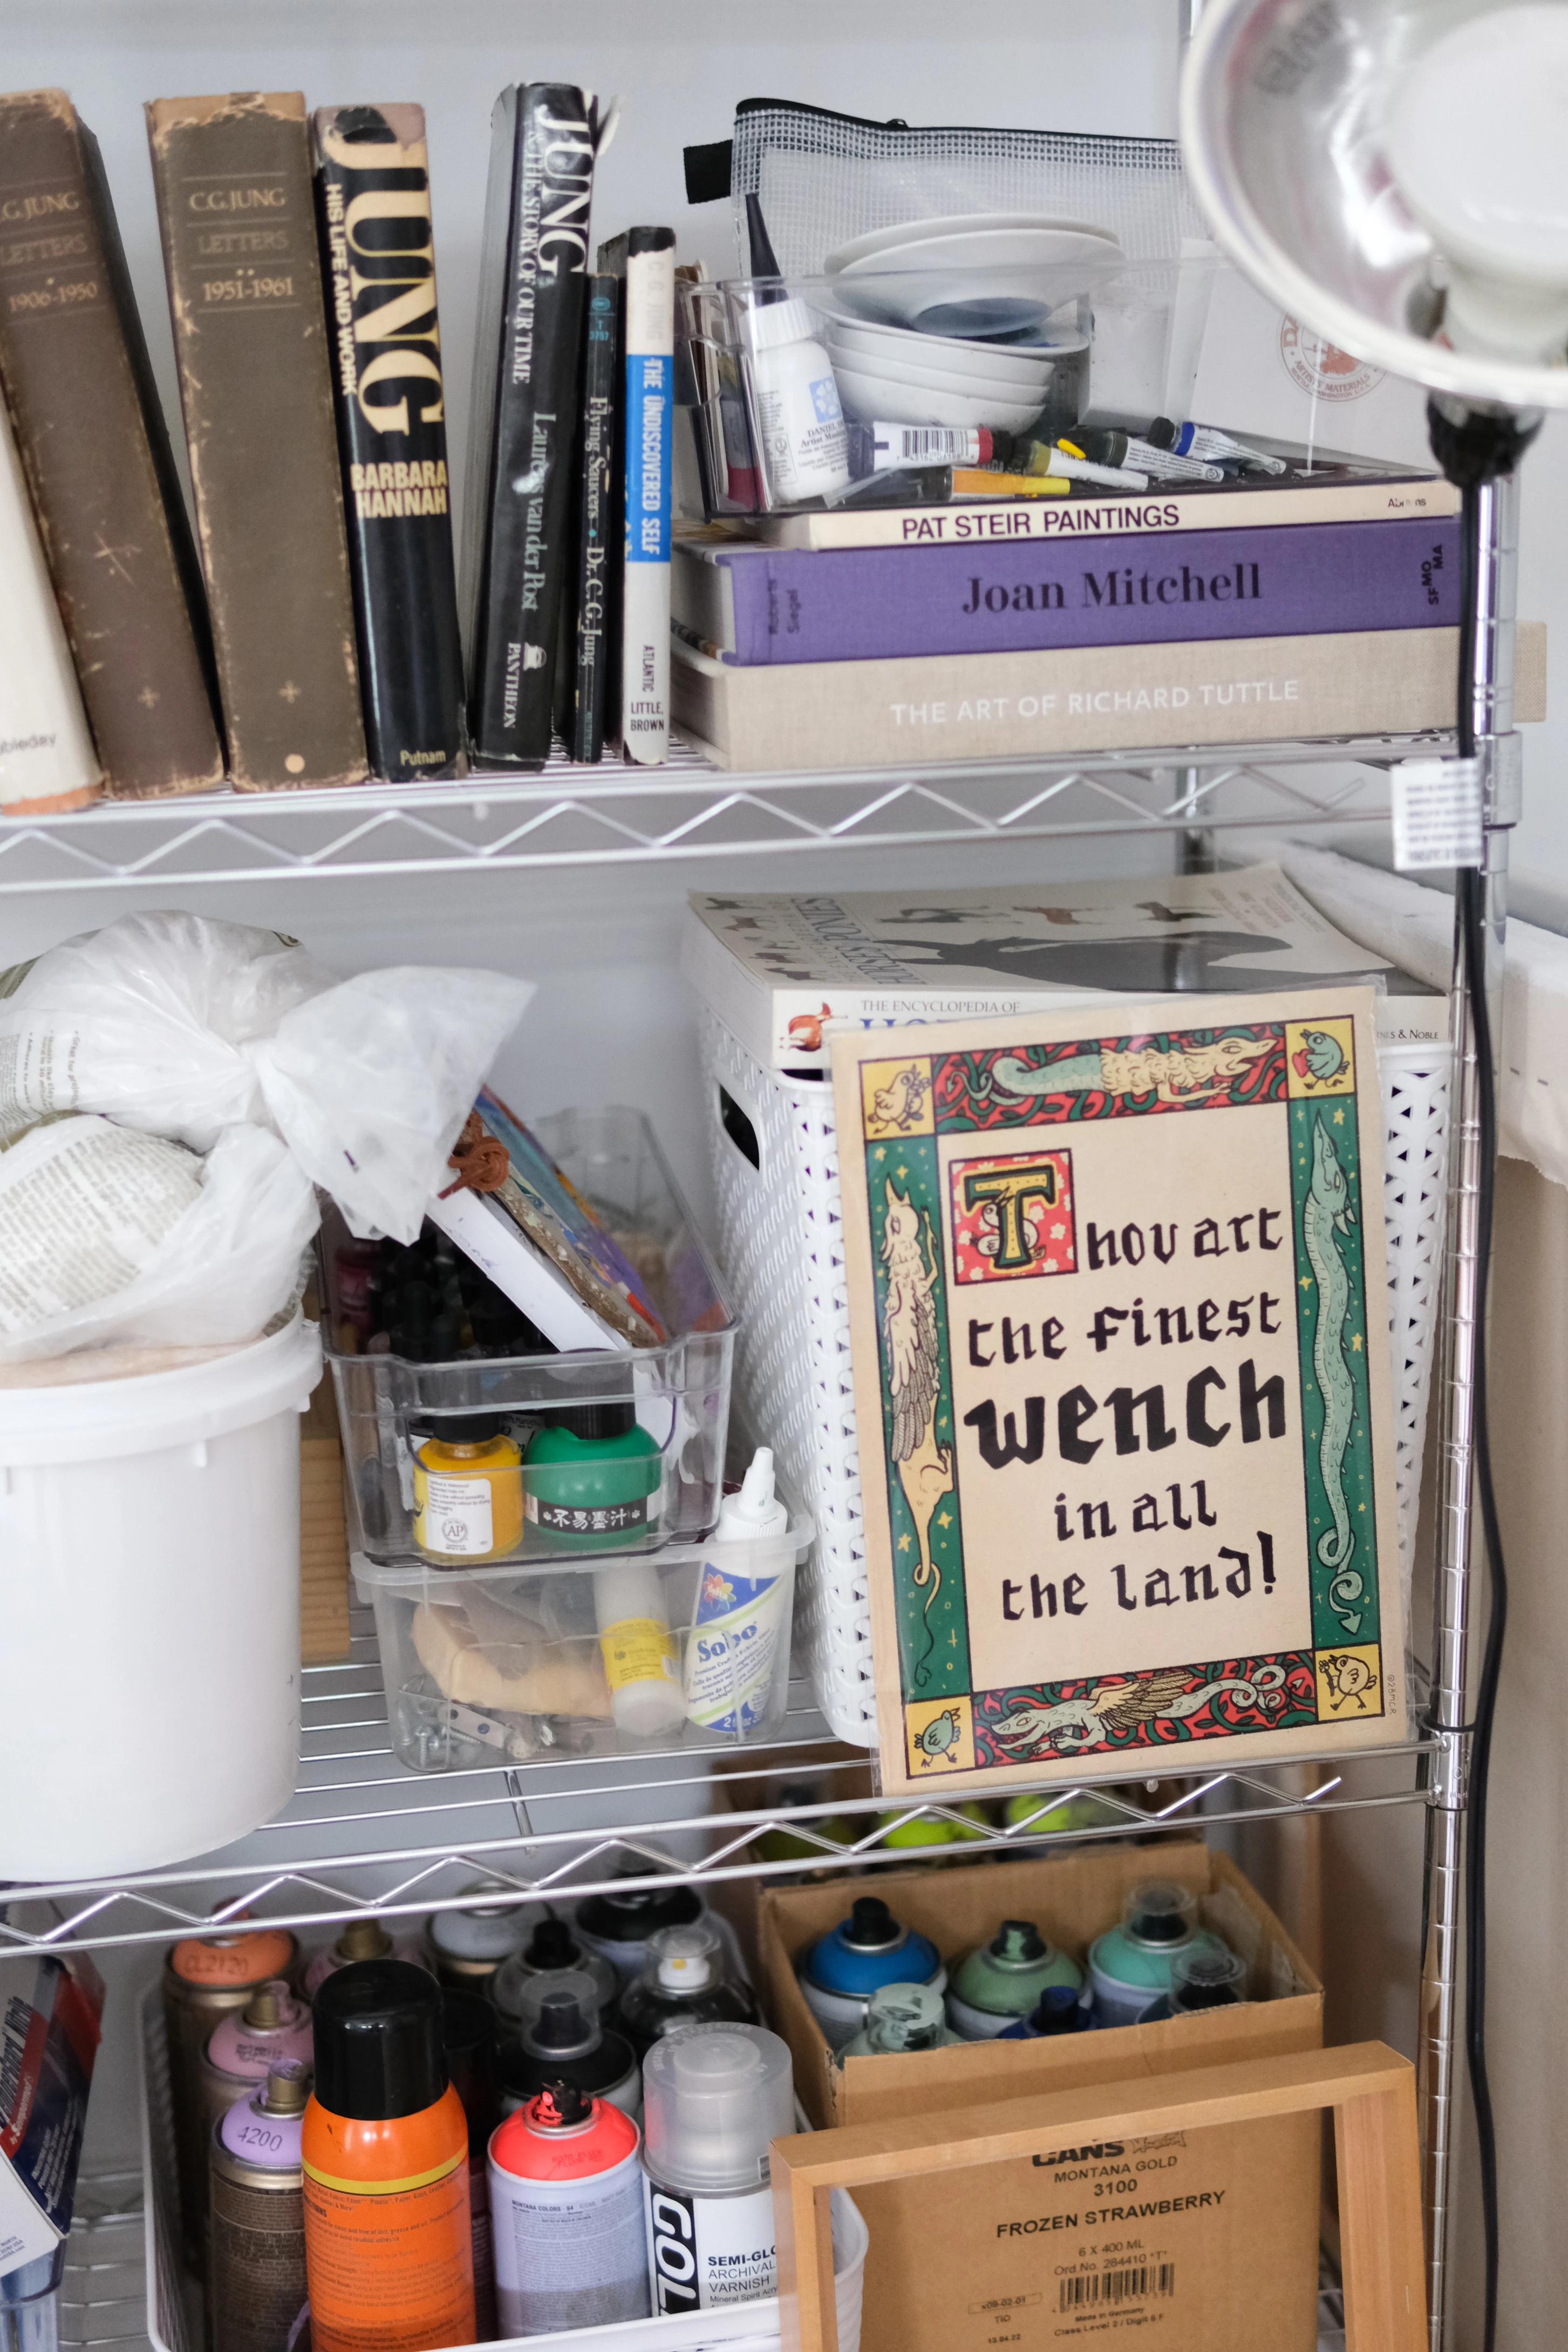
(783, 973)
(1122, 1383)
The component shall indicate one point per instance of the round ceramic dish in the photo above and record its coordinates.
(899, 350)
(975, 385)
(888, 399)
(906, 233)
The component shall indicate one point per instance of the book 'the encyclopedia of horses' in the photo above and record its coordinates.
(1122, 1368)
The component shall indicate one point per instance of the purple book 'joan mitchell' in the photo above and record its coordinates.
(870, 604)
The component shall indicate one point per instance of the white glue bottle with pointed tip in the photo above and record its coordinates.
(736, 1651)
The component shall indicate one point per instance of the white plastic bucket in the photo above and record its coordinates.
(150, 1610)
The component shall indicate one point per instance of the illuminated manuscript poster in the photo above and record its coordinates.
(1121, 1375)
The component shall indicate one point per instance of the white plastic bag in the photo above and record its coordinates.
(110, 1235)
(185, 1028)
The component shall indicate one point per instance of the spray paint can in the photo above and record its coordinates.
(846, 1966)
(1201, 1978)
(469, 2038)
(617, 1925)
(560, 2039)
(550, 1951)
(1059, 2010)
(566, 2207)
(256, 2281)
(1130, 1965)
(714, 2098)
(245, 2046)
(903, 2017)
(361, 1939)
(388, 2244)
(467, 1947)
(684, 1983)
(205, 1979)
(1004, 1979)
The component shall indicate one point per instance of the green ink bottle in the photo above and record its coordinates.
(593, 1479)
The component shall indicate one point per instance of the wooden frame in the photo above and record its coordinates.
(1370, 2089)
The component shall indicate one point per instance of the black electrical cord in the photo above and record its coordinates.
(1471, 910)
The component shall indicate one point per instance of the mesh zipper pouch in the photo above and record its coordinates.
(823, 179)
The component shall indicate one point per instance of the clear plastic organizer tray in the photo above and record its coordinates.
(976, 359)
(659, 1416)
(690, 1647)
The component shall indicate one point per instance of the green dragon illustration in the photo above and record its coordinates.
(1325, 1212)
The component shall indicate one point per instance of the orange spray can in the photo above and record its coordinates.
(388, 2247)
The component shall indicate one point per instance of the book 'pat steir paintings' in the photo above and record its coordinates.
(1122, 1376)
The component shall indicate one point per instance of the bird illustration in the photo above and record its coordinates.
(913, 1372)
(1320, 1057)
(901, 1102)
(939, 1735)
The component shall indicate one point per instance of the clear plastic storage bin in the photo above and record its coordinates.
(670, 1402)
(690, 1647)
(1010, 356)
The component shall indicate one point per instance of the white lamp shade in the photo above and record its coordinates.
(1354, 156)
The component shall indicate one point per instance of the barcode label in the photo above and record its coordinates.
(1093, 2288)
(931, 445)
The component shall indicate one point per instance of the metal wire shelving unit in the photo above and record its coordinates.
(361, 1835)
(610, 814)
(364, 1834)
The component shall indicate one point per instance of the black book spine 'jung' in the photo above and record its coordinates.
(372, 200)
(527, 378)
(597, 550)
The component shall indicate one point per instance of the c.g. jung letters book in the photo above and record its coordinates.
(1122, 1376)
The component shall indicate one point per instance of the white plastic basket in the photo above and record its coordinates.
(173, 2325)
(781, 1243)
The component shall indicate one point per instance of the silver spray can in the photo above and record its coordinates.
(714, 2097)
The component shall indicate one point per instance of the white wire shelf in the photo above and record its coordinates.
(363, 1834)
(610, 814)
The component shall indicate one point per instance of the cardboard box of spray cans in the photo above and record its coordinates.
(1212, 2237)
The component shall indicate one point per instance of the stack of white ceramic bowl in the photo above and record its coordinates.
(962, 322)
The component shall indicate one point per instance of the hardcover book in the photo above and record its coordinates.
(583, 704)
(378, 257)
(958, 707)
(785, 975)
(759, 605)
(46, 759)
(96, 451)
(1073, 1247)
(646, 258)
(233, 180)
(526, 371)
(1366, 493)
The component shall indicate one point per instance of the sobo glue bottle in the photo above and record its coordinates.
(388, 2243)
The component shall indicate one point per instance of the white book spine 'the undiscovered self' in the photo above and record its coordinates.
(650, 417)
(47, 756)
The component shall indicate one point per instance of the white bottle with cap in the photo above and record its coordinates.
(805, 442)
(714, 2098)
(742, 1611)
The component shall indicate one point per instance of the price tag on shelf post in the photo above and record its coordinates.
(1436, 814)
